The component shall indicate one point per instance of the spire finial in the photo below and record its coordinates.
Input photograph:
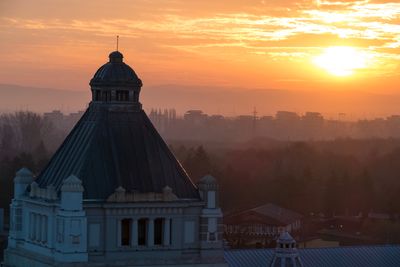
(117, 41)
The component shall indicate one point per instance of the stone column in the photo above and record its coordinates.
(44, 229)
(31, 225)
(39, 227)
(34, 230)
(119, 241)
(167, 233)
(150, 233)
(134, 235)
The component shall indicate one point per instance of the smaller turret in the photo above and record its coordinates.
(71, 221)
(208, 188)
(22, 180)
(286, 253)
(71, 194)
(211, 218)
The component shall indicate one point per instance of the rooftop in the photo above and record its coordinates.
(115, 73)
(368, 256)
(271, 213)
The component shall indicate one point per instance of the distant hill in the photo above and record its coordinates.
(213, 100)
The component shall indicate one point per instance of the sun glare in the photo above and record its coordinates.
(341, 60)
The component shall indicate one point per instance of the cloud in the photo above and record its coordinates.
(357, 19)
(280, 29)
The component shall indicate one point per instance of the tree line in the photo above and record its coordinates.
(26, 140)
(308, 177)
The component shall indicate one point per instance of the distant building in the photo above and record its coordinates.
(216, 118)
(286, 116)
(266, 119)
(260, 226)
(56, 117)
(73, 118)
(195, 117)
(61, 121)
(313, 119)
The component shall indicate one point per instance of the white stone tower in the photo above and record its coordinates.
(211, 218)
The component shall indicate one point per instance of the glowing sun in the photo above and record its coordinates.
(341, 60)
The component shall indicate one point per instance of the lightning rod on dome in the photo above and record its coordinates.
(117, 41)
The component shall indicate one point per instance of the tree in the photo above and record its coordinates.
(30, 125)
(7, 145)
(197, 163)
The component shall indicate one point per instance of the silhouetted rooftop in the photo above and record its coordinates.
(115, 73)
(269, 213)
(114, 145)
(278, 213)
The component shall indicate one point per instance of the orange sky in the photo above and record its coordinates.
(229, 43)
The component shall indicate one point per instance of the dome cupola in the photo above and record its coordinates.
(116, 57)
(116, 83)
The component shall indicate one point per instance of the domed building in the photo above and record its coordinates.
(113, 194)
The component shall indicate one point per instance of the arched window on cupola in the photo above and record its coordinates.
(106, 96)
(97, 95)
(122, 95)
(135, 96)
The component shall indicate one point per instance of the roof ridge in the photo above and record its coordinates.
(321, 248)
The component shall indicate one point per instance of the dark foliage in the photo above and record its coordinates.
(312, 178)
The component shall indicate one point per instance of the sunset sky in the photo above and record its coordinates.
(270, 44)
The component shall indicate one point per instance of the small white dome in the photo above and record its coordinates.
(286, 238)
(208, 179)
(72, 184)
(24, 176)
(24, 172)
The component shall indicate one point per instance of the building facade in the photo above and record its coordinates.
(260, 226)
(113, 194)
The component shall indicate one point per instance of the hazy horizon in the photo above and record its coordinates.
(213, 100)
(223, 57)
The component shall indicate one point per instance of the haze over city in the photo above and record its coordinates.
(223, 57)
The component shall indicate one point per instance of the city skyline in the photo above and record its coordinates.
(195, 125)
(295, 45)
(214, 100)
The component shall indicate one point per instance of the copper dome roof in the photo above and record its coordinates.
(115, 73)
